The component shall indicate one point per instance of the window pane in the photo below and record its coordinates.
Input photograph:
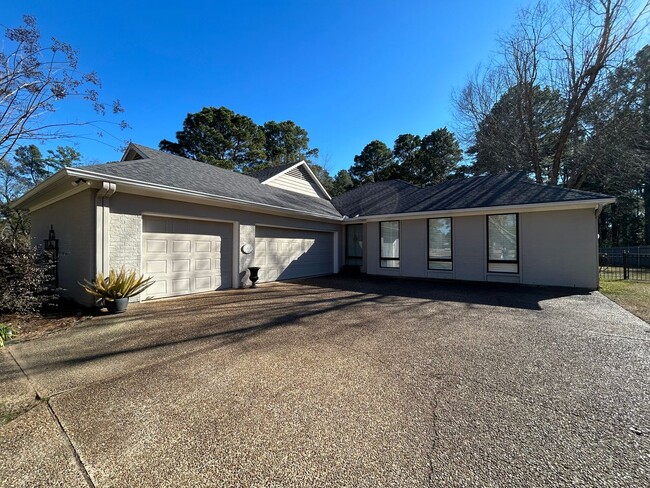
(503, 267)
(440, 238)
(502, 237)
(390, 239)
(354, 247)
(389, 244)
(442, 265)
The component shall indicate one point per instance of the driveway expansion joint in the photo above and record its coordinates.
(73, 450)
(434, 439)
(37, 395)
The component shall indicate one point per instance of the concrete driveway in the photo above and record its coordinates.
(337, 382)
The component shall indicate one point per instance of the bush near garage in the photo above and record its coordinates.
(26, 282)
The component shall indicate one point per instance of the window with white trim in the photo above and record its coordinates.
(440, 244)
(503, 243)
(389, 244)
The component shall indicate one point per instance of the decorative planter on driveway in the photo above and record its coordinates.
(118, 305)
(254, 275)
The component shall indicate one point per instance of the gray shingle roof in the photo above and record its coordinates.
(166, 169)
(270, 172)
(386, 197)
(391, 197)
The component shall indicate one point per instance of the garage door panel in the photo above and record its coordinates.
(180, 265)
(289, 253)
(183, 263)
(181, 286)
(181, 246)
(204, 246)
(203, 283)
(159, 288)
(155, 266)
(155, 245)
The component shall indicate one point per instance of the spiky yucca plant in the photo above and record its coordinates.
(6, 333)
(118, 284)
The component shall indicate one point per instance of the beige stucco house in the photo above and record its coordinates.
(195, 227)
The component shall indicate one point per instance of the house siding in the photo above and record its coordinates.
(73, 219)
(556, 248)
(297, 180)
(559, 248)
(413, 257)
(470, 248)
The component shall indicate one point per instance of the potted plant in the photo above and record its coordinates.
(116, 288)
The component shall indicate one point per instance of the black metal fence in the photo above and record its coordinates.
(621, 264)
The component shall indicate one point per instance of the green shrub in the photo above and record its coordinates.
(25, 276)
(6, 333)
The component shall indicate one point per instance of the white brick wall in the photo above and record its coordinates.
(125, 242)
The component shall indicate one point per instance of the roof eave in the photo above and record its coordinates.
(529, 207)
(20, 203)
(136, 184)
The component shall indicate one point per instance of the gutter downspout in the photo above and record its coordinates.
(102, 226)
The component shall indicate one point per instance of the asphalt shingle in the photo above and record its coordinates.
(161, 168)
(391, 197)
(382, 198)
(270, 172)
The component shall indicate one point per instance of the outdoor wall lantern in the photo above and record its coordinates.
(52, 243)
(52, 247)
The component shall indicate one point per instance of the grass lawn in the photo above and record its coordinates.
(631, 295)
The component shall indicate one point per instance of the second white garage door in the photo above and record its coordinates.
(186, 256)
(284, 254)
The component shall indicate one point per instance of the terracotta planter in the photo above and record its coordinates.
(117, 306)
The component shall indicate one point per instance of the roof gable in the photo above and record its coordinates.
(298, 178)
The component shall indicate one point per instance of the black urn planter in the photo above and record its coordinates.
(117, 306)
(254, 275)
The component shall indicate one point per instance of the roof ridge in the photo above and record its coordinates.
(575, 190)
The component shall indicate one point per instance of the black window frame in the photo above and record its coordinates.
(438, 260)
(399, 249)
(347, 247)
(487, 245)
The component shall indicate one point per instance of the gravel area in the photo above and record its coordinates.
(342, 382)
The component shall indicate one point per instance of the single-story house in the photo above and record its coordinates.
(196, 227)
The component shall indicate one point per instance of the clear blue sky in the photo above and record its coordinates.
(348, 72)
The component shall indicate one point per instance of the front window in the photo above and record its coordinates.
(440, 244)
(503, 243)
(354, 244)
(389, 243)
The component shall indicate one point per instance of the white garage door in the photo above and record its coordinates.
(284, 254)
(186, 256)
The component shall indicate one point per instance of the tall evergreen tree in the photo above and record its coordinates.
(375, 163)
